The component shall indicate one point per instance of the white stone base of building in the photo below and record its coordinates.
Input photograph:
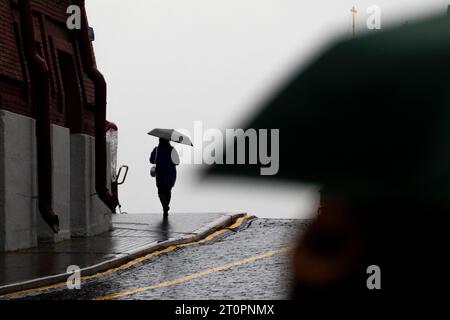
(80, 211)
(90, 215)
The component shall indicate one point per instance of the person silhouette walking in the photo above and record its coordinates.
(165, 158)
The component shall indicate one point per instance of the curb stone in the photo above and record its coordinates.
(121, 259)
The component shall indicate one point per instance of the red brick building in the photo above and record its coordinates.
(53, 150)
(70, 87)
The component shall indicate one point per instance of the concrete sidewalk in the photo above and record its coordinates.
(133, 235)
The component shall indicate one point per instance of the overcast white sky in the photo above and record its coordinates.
(171, 62)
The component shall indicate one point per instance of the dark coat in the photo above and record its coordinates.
(166, 159)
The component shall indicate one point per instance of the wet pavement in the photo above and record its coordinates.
(251, 262)
(130, 232)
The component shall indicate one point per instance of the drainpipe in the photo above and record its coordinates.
(100, 112)
(40, 87)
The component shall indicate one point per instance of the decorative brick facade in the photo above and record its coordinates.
(71, 91)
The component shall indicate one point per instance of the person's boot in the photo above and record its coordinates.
(166, 213)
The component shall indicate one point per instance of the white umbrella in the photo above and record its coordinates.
(171, 135)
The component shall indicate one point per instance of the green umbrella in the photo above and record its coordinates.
(370, 117)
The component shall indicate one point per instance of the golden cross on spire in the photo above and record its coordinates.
(354, 12)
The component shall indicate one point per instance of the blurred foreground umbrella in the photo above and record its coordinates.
(369, 117)
(369, 120)
(171, 135)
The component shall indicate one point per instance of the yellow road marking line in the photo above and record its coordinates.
(197, 274)
(238, 222)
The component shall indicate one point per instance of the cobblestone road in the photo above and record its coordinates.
(241, 264)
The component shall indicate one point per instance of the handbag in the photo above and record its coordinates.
(153, 169)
